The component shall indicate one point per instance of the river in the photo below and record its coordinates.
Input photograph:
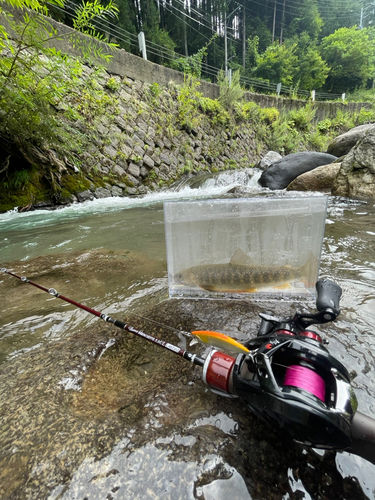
(110, 254)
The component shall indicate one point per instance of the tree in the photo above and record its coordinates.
(311, 71)
(278, 63)
(305, 18)
(35, 79)
(350, 54)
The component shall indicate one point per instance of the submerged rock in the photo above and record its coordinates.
(104, 414)
(281, 173)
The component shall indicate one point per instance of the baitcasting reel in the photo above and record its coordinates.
(288, 377)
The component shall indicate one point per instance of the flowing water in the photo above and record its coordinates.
(110, 255)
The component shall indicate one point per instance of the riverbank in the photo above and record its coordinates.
(120, 136)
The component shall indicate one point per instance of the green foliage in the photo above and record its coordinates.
(192, 65)
(247, 111)
(284, 137)
(252, 54)
(17, 180)
(113, 84)
(187, 168)
(306, 18)
(269, 115)
(188, 99)
(278, 63)
(230, 92)
(302, 118)
(311, 71)
(155, 90)
(215, 111)
(36, 81)
(365, 116)
(91, 12)
(350, 54)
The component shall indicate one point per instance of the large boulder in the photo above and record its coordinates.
(357, 173)
(343, 143)
(281, 173)
(319, 179)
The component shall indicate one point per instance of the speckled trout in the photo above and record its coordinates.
(239, 275)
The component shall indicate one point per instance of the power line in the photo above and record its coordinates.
(169, 55)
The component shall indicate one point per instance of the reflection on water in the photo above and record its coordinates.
(132, 475)
(110, 255)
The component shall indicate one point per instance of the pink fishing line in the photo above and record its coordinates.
(304, 378)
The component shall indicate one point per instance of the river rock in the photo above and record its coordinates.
(117, 191)
(270, 158)
(102, 192)
(85, 196)
(319, 179)
(343, 143)
(280, 174)
(357, 173)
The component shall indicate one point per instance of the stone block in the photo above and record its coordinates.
(110, 151)
(143, 172)
(138, 141)
(101, 192)
(117, 191)
(134, 170)
(167, 143)
(165, 158)
(120, 122)
(119, 171)
(148, 162)
(138, 151)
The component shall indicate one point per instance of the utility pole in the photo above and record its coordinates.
(282, 24)
(244, 37)
(225, 36)
(274, 23)
(364, 15)
(225, 42)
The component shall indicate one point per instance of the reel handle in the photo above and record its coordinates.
(328, 295)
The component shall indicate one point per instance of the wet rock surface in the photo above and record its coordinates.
(343, 143)
(104, 414)
(357, 173)
(281, 173)
(319, 179)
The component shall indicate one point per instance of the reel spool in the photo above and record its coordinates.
(305, 378)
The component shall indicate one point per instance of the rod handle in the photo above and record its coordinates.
(363, 436)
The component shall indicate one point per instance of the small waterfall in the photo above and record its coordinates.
(220, 182)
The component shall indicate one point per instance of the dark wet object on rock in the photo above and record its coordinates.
(281, 173)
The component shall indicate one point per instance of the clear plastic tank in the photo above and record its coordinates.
(252, 247)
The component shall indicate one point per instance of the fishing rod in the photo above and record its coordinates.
(193, 358)
(285, 374)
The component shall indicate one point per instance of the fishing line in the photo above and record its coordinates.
(193, 358)
(306, 379)
(158, 323)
